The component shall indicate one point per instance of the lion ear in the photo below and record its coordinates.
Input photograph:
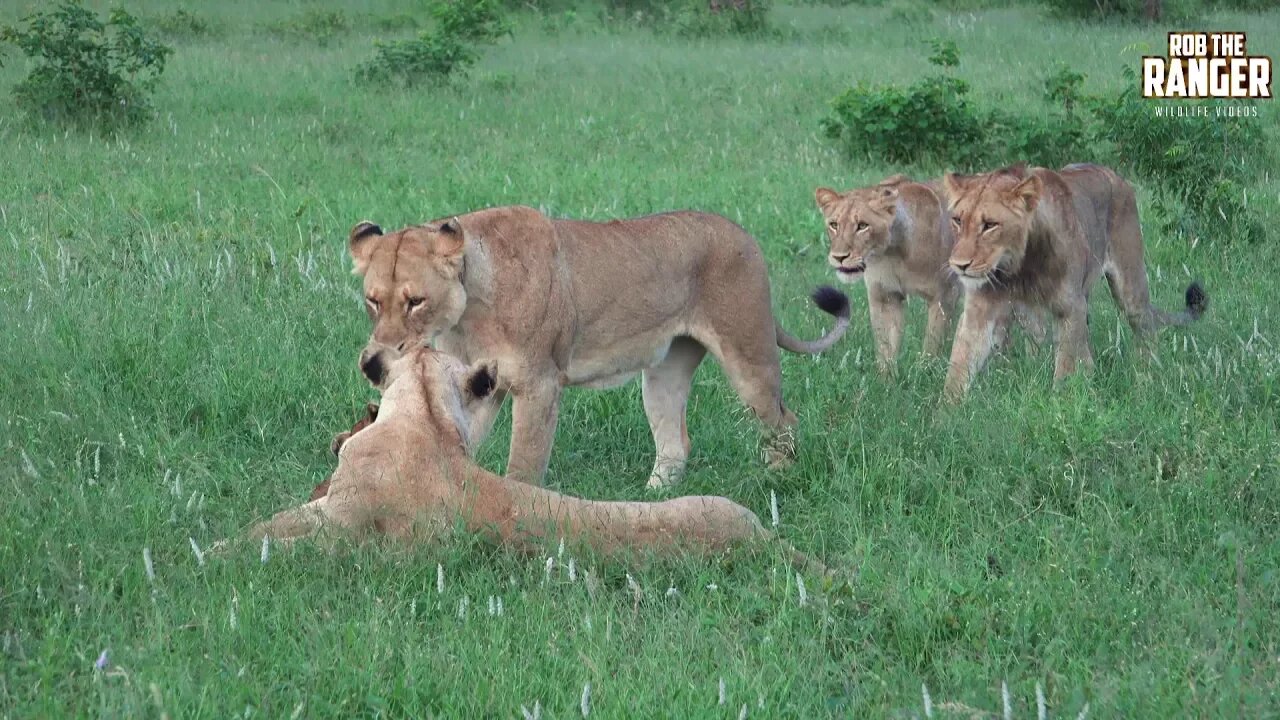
(449, 239)
(954, 184)
(1028, 191)
(360, 244)
(825, 197)
(481, 380)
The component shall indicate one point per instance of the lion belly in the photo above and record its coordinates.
(618, 366)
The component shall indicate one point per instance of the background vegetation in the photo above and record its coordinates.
(183, 327)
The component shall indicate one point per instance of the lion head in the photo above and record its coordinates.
(858, 224)
(440, 388)
(991, 215)
(412, 287)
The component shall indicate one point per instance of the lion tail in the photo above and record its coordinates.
(830, 301)
(1197, 303)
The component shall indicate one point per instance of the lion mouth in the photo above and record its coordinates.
(849, 273)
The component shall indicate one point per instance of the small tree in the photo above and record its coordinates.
(86, 69)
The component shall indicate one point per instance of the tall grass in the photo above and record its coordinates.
(181, 332)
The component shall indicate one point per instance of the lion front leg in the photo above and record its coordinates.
(885, 307)
(533, 430)
(935, 332)
(1073, 341)
(294, 523)
(974, 338)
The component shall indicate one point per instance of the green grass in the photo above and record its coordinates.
(176, 303)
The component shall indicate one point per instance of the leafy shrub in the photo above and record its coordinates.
(1196, 163)
(183, 24)
(451, 47)
(319, 26)
(692, 18)
(930, 119)
(910, 14)
(710, 18)
(86, 70)
(1130, 10)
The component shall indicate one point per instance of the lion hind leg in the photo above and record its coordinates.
(757, 378)
(666, 392)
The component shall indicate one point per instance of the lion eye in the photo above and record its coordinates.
(988, 225)
(833, 224)
(414, 303)
(955, 220)
(373, 304)
(862, 226)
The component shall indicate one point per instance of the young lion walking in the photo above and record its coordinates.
(1044, 238)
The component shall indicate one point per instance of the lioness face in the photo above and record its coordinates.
(858, 224)
(991, 215)
(412, 288)
(454, 393)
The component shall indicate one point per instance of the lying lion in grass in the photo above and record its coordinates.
(409, 475)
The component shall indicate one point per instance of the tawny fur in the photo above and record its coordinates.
(565, 302)
(1044, 238)
(409, 475)
(896, 237)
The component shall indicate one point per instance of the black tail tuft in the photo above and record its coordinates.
(1197, 300)
(834, 302)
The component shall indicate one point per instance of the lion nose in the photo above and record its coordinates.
(961, 265)
(373, 369)
(840, 258)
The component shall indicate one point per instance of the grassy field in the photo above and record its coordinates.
(182, 330)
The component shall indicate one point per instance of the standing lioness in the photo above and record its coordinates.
(567, 302)
(1044, 238)
(894, 235)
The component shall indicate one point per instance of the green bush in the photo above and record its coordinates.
(692, 18)
(86, 70)
(450, 48)
(318, 26)
(1196, 164)
(711, 18)
(182, 24)
(1128, 10)
(932, 119)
